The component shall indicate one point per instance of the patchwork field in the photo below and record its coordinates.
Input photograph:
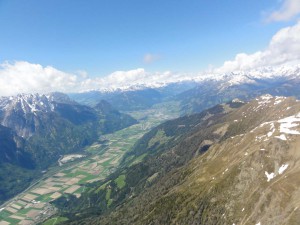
(103, 157)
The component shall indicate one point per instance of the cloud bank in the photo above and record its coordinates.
(24, 77)
(289, 10)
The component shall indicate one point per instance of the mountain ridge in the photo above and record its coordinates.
(37, 129)
(233, 78)
(197, 191)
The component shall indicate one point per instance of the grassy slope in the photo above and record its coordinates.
(215, 187)
(156, 164)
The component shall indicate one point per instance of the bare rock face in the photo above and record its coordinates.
(24, 113)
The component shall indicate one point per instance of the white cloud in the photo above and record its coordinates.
(284, 48)
(24, 77)
(150, 58)
(126, 79)
(289, 10)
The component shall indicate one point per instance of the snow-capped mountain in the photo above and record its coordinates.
(33, 103)
(227, 79)
(197, 93)
(209, 92)
(23, 113)
(36, 129)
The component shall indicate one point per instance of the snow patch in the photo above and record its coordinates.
(278, 100)
(272, 130)
(225, 171)
(237, 100)
(289, 122)
(282, 137)
(280, 171)
(265, 99)
(269, 176)
(283, 168)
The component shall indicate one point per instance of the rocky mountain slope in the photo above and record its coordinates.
(16, 165)
(36, 129)
(122, 100)
(133, 99)
(240, 166)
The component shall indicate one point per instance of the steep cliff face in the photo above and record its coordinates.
(17, 167)
(12, 149)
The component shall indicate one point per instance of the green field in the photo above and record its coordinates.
(55, 220)
(102, 158)
(120, 181)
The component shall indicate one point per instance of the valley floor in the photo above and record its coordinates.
(34, 204)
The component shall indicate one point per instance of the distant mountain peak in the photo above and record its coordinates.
(225, 80)
(32, 103)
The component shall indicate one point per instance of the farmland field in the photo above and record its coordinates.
(100, 159)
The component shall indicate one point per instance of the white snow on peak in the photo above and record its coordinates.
(28, 103)
(258, 223)
(264, 99)
(279, 99)
(237, 100)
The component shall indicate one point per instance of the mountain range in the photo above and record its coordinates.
(37, 129)
(230, 158)
(198, 93)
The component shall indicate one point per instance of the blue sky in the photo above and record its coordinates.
(81, 45)
(103, 36)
